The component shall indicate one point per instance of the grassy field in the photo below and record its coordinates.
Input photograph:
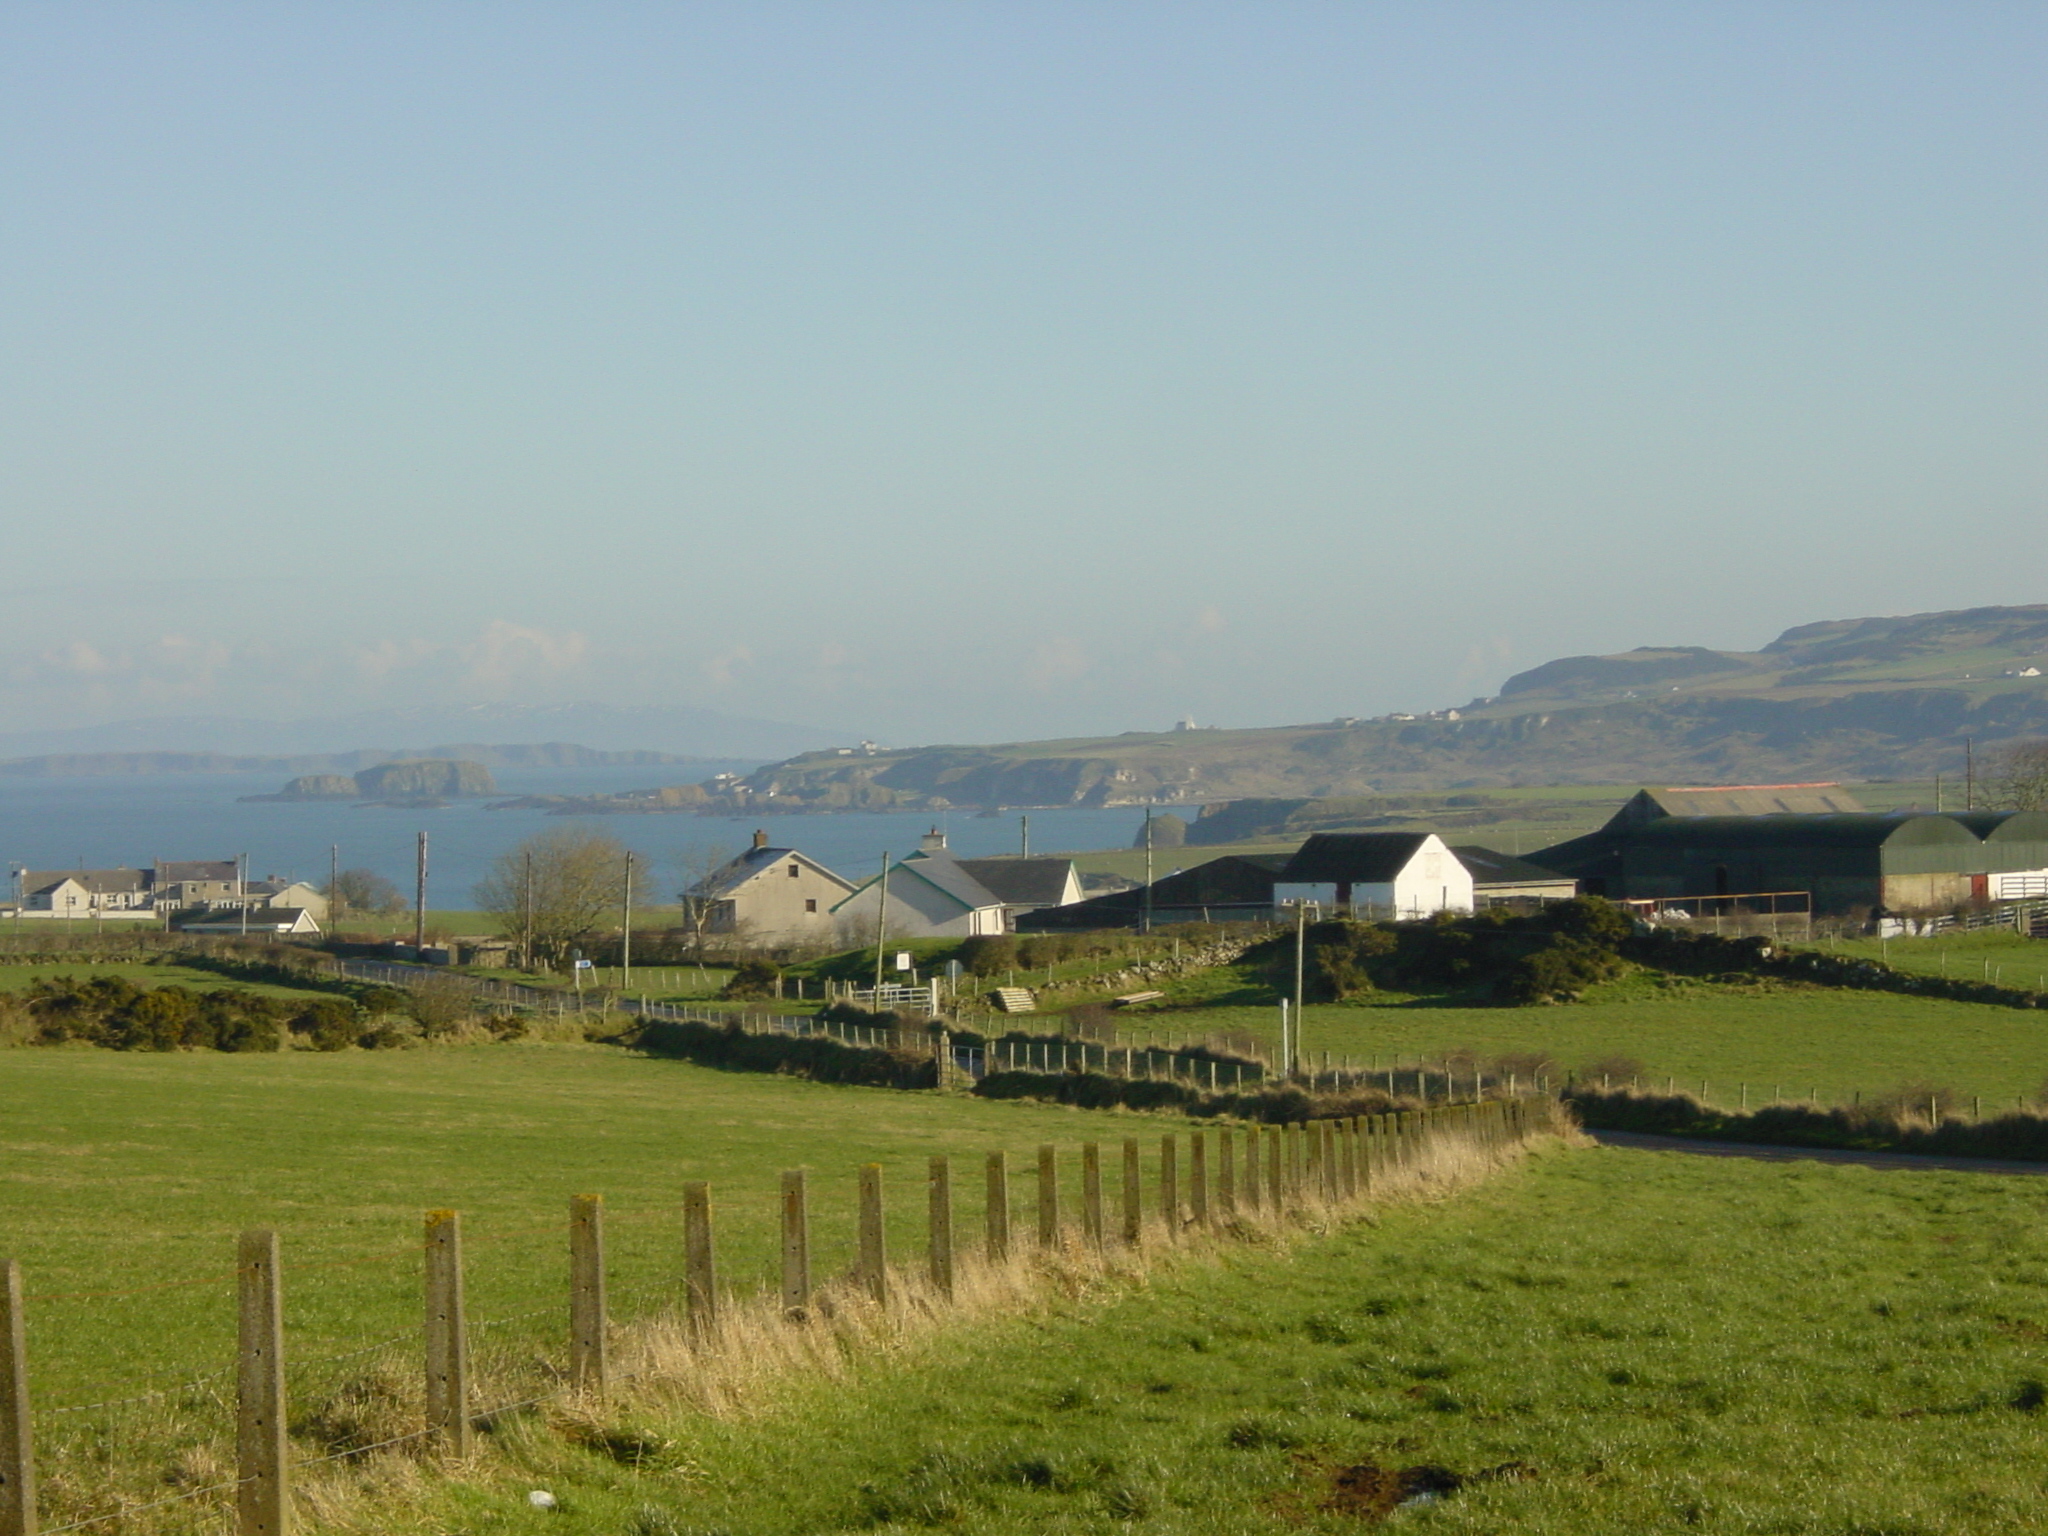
(15, 978)
(1795, 1038)
(125, 1172)
(1628, 1342)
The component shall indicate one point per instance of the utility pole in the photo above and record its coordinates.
(1148, 869)
(1024, 837)
(1937, 794)
(242, 890)
(1969, 774)
(526, 917)
(881, 929)
(419, 900)
(333, 881)
(1300, 968)
(626, 929)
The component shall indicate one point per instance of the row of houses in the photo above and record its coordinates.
(204, 893)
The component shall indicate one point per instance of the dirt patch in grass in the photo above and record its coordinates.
(1371, 1492)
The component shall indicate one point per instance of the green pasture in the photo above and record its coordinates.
(1628, 1342)
(16, 977)
(1998, 955)
(121, 1172)
(1798, 1039)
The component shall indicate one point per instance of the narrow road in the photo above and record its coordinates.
(1636, 1141)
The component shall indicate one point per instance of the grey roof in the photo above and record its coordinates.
(737, 872)
(1865, 830)
(172, 871)
(99, 881)
(1361, 858)
(946, 872)
(1022, 882)
(1738, 800)
(1490, 867)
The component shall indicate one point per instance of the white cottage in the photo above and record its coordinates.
(931, 896)
(1376, 875)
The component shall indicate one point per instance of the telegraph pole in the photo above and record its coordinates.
(626, 929)
(333, 882)
(526, 915)
(1024, 836)
(1148, 869)
(881, 930)
(242, 890)
(1300, 967)
(419, 900)
(1969, 774)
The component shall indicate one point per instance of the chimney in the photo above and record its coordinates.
(760, 838)
(933, 841)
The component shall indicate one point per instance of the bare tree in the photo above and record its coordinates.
(698, 862)
(2018, 780)
(364, 890)
(567, 883)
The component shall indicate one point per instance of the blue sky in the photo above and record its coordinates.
(995, 371)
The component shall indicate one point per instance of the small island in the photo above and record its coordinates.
(408, 783)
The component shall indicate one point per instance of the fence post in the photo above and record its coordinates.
(1198, 1177)
(263, 1492)
(1226, 1171)
(447, 1336)
(1276, 1185)
(997, 1213)
(1333, 1184)
(1091, 1194)
(700, 1259)
(587, 1319)
(1048, 1198)
(1134, 1210)
(1169, 1185)
(1254, 1135)
(874, 1248)
(939, 1199)
(17, 1442)
(796, 1244)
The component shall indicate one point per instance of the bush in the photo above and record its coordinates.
(1342, 955)
(327, 1024)
(989, 954)
(753, 979)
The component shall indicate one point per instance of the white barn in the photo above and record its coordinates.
(1376, 875)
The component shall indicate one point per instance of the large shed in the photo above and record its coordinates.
(1377, 874)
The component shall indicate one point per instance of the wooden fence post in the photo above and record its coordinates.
(17, 1439)
(939, 1200)
(1169, 1185)
(1254, 1135)
(796, 1244)
(447, 1336)
(874, 1245)
(1198, 1177)
(1333, 1188)
(587, 1317)
(1226, 1172)
(263, 1498)
(997, 1211)
(1048, 1198)
(1091, 1194)
(1275, 1177)
(1134, 1183)
(700, 1259)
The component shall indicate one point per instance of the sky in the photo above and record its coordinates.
(992, 372)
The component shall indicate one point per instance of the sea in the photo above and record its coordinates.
(132, 821)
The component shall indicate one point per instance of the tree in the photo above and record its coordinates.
(698, 863)
(567, 883)
(2018, 780)
(363, 890)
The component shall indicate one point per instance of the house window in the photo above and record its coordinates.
(792, 871)
(810, 904)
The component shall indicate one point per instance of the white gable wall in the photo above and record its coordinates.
(1433, 880)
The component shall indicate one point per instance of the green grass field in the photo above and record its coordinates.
(16, 978)
(130, 1171)
(1795, 1038)
(1631, 1342)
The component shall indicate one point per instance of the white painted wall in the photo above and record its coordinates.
(1431, 881)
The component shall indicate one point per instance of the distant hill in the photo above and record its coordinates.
(1855, 698)
(550, 754)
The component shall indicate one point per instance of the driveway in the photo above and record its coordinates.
(1641, 1143)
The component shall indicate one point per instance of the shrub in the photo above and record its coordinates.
(753, 979)
(327, 1024)
(989, 954)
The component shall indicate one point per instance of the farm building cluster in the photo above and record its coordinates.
(197, 895)
(1773, 849)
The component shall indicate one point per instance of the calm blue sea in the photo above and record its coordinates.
(108, 822)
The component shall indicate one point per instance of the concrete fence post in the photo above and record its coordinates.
(874, 1243)
(263, 1496)
(996, 1213)
(1198, 1178)
(1134, 1188)
(796, 1244)
(1226, 1172)
(1169, 1185)
(588, 1322)
(17, 1437)
(447, 1337)
(700, 1260)
(1091, 1194)
(1048, 1198)
(939, 1202)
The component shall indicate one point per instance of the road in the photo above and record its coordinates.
(1641, 1143)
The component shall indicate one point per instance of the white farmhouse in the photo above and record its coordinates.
(931, 896)
(1376, 874)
